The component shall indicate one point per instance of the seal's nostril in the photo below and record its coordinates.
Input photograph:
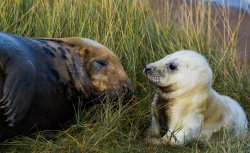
(127, 88)
(148, 70)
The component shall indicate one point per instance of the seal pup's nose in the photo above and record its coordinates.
(148, 70)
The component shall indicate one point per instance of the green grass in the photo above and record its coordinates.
(138, 34)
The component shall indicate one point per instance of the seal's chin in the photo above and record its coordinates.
(111, 95)
(114, 94)
(155, 78)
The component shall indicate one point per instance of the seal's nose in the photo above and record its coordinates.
(148, 70)
(127, 87)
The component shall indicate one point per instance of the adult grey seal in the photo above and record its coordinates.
(41, 79)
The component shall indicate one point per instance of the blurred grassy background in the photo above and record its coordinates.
(139, 32)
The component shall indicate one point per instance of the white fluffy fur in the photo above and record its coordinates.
(196, 110)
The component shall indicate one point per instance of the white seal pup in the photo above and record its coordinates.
(186, 108)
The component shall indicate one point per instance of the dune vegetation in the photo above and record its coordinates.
(139, 34)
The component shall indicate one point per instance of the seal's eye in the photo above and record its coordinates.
(101, 62)
(172, 66)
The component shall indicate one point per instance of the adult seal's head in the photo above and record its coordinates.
(103, 68)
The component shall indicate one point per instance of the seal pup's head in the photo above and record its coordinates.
(181, 70)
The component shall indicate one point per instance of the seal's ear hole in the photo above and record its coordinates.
(84, 50)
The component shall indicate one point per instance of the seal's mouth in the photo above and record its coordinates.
(155, 78)
(111, 95)
(125, 92)
(152, 75)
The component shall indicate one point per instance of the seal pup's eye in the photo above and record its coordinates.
(101, 62)
(172, 66)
